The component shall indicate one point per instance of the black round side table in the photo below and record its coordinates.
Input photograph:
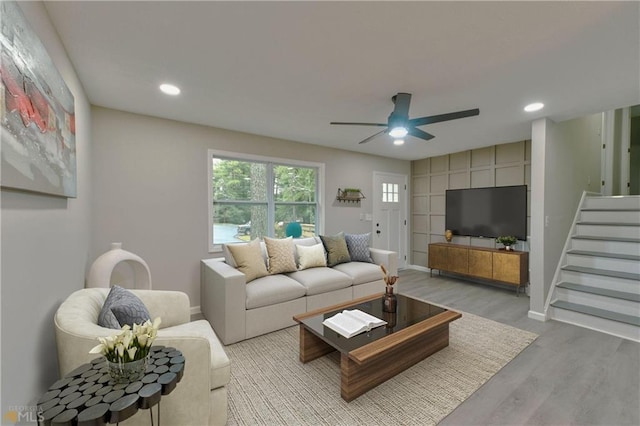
(88, 396)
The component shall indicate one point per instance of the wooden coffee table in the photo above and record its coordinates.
(416, 330)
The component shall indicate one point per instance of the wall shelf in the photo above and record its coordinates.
(348, 195)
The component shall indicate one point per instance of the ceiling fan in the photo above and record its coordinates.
(400, 125)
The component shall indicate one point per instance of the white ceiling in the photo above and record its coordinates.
(286, 69)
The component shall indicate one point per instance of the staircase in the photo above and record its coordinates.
(597, 283)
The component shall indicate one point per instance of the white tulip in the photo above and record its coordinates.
(100, 349)
(132, 352)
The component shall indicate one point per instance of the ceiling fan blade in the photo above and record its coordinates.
(420, 134)
(421, 121)
(359, 124)
(402, 102)
(372, 136)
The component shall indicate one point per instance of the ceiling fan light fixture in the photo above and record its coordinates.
(536, 106)
(398, 132)
(398, 142)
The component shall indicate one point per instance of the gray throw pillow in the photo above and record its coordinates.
(122, 307)
(358, 245)
(336, 248)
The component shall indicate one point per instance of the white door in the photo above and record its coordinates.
(390, 214)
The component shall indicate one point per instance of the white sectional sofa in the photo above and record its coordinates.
(238, 310)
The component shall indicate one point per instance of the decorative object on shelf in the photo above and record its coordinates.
(507, 241)
(389, 301)
(127, 352)
(448, 235)
(103, 267)
(350, 194)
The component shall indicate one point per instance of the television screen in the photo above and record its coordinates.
(487, 212)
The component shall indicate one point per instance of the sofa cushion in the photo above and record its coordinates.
(272, 289)
(220, 372)
(321, 280)
(358, 245)
(248, 259)
(311, 256)
(122, 307)
(336, 247)
(281, 255)
(309, 241)
(361, 272)
(228, 257)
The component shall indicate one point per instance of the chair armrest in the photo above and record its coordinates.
(387, 258)
(172, 307)
(191, 399)
(223, 299)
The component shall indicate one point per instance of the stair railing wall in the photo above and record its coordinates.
(567, 243)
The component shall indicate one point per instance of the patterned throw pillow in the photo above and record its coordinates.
(311, 256)
(280, 252)
(358, 245)
(248, 259)
(336, 247)
(122, 307)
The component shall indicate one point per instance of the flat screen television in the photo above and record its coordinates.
(488, 212)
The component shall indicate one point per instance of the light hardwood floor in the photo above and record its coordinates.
(567, 376)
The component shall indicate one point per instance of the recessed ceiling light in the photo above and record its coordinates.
(170, 89)
(536, 106)
(398, 142)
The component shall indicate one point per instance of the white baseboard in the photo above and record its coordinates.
(419, 268)
(195, 310)
(537, 316)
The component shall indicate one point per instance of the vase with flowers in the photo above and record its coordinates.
(389, 301)
(127, 353)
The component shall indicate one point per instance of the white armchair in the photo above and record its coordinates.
(201, 396)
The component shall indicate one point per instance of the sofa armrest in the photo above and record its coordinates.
(223, 299)
(172, 307)
(387, 258)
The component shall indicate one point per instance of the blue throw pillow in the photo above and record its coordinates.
(122, 307)
(358, 245)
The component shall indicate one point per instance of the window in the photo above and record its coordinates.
(389, 192)
(256, 197)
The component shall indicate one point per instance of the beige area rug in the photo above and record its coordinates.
(270, 386)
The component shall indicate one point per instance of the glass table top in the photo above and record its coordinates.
(409, 311)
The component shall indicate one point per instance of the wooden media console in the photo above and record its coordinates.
(504, 266)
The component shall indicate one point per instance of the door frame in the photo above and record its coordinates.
(403, 261)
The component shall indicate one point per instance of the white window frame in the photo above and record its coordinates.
(211, 153)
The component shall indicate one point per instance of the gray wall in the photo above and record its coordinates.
(150, 189)
(44, 251)
(565, 162)
(498, 165)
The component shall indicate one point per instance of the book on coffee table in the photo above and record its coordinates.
(351, 322)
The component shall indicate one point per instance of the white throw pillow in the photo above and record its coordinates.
(311, 256)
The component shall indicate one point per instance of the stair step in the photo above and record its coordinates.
(595, 209)
(604, 254)
(634, 297)
(605, 272)
(598, 238)
(608, 223)
(602, 313)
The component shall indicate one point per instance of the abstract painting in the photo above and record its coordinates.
(37, 115)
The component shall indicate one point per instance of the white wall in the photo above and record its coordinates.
(44, 251)
(150, 189)
(565, 162)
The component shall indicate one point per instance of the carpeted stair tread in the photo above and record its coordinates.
(634, 297)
